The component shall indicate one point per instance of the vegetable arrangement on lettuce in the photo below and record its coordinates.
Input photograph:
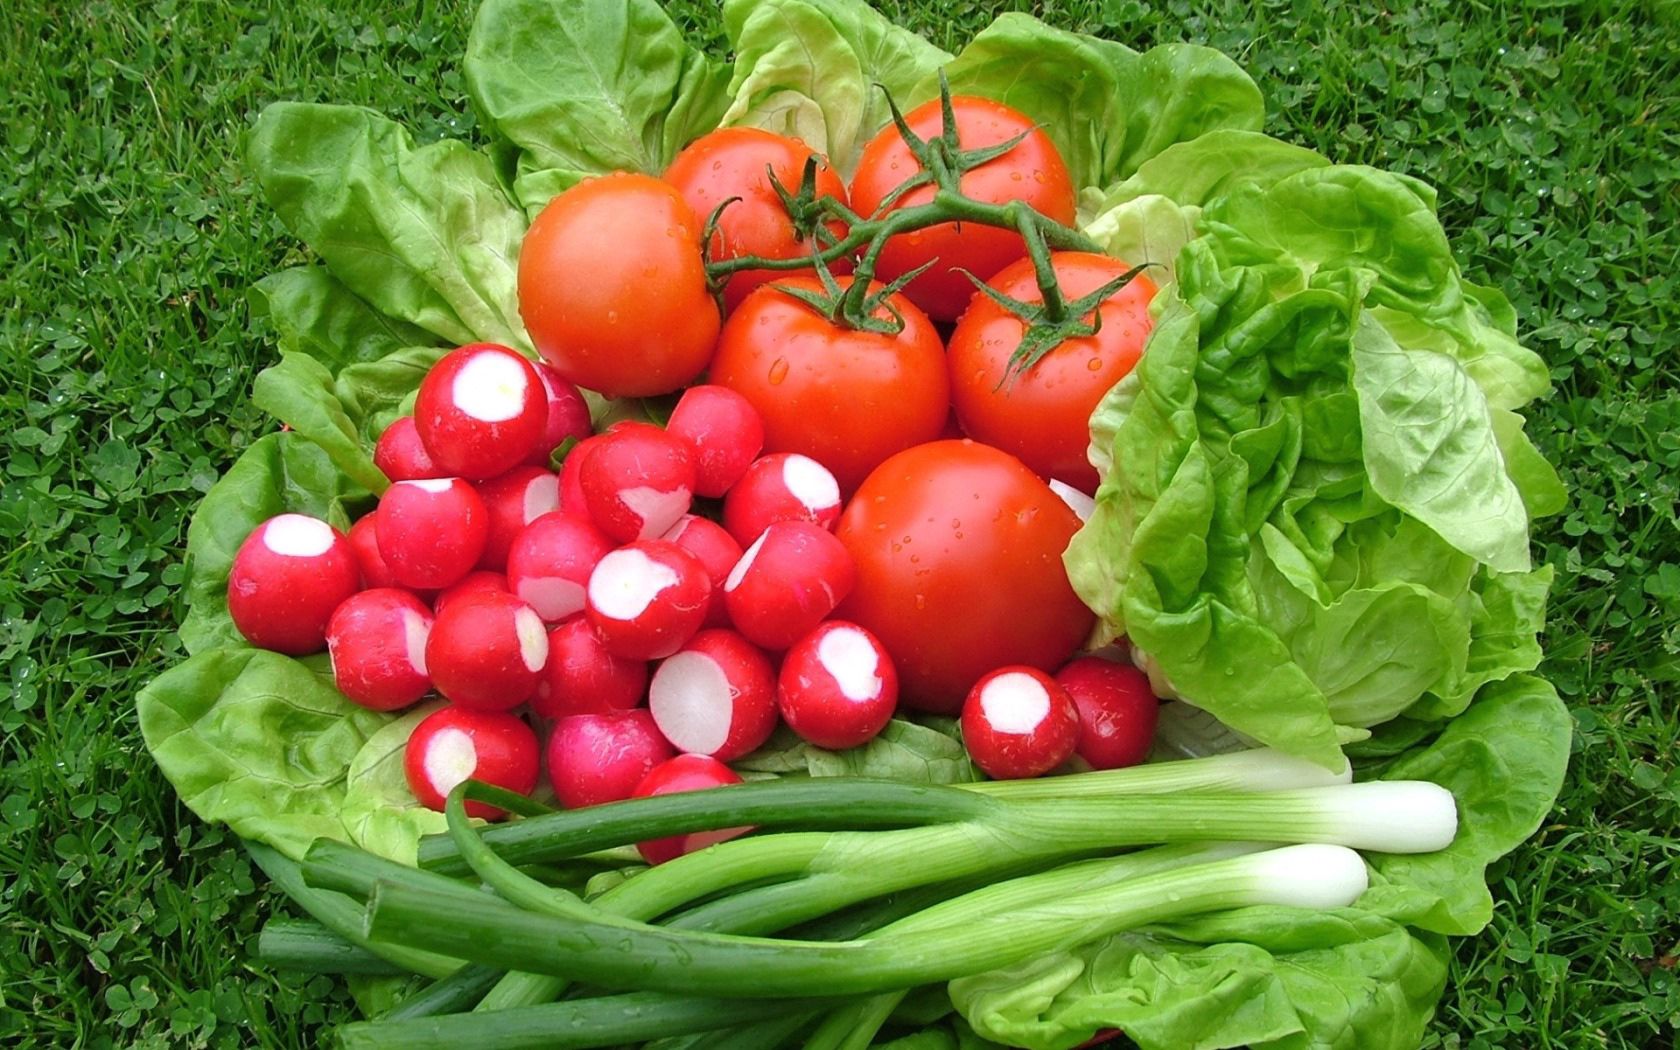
(1230, 403)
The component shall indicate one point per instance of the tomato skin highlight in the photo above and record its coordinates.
(731, 162)
(846, 398)
(612, 287)
(958, 548)
(1042, 414)
(1033, 172)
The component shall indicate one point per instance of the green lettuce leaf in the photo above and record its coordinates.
(379, 812)
(277, 474)
(317, 315)
(425, 235)
(258, 741)
(904, 750)
(588, 87)
(299, 391)
(374, 393)
(816, 69)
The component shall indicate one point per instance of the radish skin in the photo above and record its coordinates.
(481, 411)
(724, 430)
(288, 576)
(514, 500)
(376, 641)
(550, 562)
(487, 651)
(1018, 723)
(598, 758)
(431, 532)
(568, 414)
(1117, 711)
(583, 678)
(647, 599)
(685, 773)
(454, 744)
(717, 551)
(400, 455)
(781, 487)
(837, 687)
(637, 482)
(787, 582)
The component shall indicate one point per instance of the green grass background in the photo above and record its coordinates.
(129, 233)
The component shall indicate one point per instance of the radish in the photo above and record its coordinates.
(487, 651)
(377, 643)
(782, 487)
(571, 470)
(646, 599)
(837, 686)
(725, 431)
(431, 532)
(582, 678)
(400, 456)
(716, 696)
(685, 773)
(1017, 722)
(514, 500)
(1117, 711)
(637, 482)
(456, 744)
(481, 411)
(568, 415)
(288, 576)
(603, 757)
(787, 582)
(473, 583)
(717, 551)
(550, 562)
(364, 544)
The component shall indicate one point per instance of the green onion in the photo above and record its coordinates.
(447, 995)
(293, 944)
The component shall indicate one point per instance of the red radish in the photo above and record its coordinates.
(571, 473)
(473, 583)
(637, 482)
(399, 454)
(550, 562)
(487, 651)
(1117, 711)
(377, 642)
(481, 411)
(603, 757)
(646, 599)
(582, 678)
(431, 532)
(787, 582)
(288, 576)
(782, 487)
(725, 431)
(457, 743)
(717, 551)
(1017, 722)
(364, 543)
(837, 686)
(568, 414)
(716, 696)
(685, 773)
(514, 500)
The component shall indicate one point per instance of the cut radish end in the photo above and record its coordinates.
(1017, 722)
(782, 487)
(1118, 711)
(487, 651)
(599, 758)
(400, 455)
(550, 562)
(377, 644)
(787, 582)
(837, 687)
(637, 482)
(514, 500)
(648, 598)
(481, 411)
(286, 580)
(454, 744)
(583, 678)
(431, 532)
(715, 697)
(685, 773)
(724, 430)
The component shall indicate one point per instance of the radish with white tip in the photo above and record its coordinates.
(550, 563)
(598, 758)
(637, 482)
(431, 532)
(685, 773)
(481, 411)
(647, 599)
(838, 686)
(1117, 711)
(514, 500)
(376, 640)
(288, 576)
(487, 651)
(787, 582)
(456, 743)
(1017, 723)
(473, 583)
(716, 696)
(364, 544)
(717, 551)
(725, 431)
(568, 414)
(583, 678)
(400, 456)
(782, 487)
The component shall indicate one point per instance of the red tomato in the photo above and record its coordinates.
(959, 569)
(846, 398)
(613, 290)
(1043, 414)
(736, 162)
(1033, 172)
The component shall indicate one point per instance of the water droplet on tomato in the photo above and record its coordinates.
(1094, 364)
(921, 601)
(1015, 176)
(778, 371)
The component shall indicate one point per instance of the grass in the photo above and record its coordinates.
(129, 233)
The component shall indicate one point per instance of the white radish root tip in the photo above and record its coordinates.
(298, 536)
(1015, 702)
